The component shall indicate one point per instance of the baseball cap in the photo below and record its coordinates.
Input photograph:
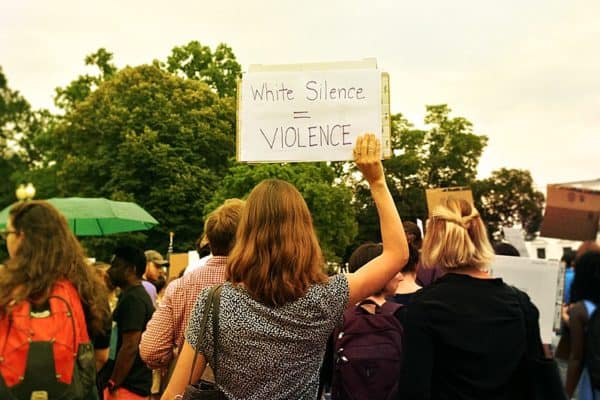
(155, 257)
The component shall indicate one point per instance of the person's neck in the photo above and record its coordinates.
(132, 282)
(407, 285)
(472, 272)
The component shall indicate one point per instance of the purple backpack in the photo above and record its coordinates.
(367, 353)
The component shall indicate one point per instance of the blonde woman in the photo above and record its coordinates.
(279, 307)
(465, 334)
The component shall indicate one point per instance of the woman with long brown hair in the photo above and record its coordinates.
(279, 307)
(44, 254)
(43, 250)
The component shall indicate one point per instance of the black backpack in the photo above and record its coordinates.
(367, 354)
(592, 348)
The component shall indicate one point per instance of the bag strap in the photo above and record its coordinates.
(205, 310)
(387, 307)
(216, 306)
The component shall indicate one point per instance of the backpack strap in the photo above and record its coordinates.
(388, 307)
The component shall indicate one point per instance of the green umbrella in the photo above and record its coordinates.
(98, 216)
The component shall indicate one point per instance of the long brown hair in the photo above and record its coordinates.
(276, 256)
(49, 252)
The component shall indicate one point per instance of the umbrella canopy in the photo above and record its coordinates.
(98, 216)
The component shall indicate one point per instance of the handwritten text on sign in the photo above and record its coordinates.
(307, 115)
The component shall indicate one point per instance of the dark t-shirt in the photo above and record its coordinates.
(426, 276)
(401, 298)
(464, 340)
(132, 313)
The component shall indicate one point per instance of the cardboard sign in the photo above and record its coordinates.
(311, 112)
(571, 213)
(542, 280)
(177, 262)
(437, 196)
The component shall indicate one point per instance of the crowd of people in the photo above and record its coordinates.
(413, 318)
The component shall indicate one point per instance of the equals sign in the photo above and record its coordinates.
(301, 114)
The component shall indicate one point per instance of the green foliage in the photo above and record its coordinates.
(78, 90)
(329, 203)
(508, 197)
(219, 70)
(18, 124)
(445, 155)
(164, 136)
(150, 137)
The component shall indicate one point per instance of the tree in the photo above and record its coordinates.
(219, 70)
(148, 136)
(19, 125)
(14, 116)
(79, 89)
(507, 198)
(445, 155)
(329, 202)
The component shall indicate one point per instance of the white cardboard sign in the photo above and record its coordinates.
(307, 114)
(542, 280)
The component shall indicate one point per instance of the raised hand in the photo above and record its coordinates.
(367, 154)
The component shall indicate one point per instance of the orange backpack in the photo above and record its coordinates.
(45, 350)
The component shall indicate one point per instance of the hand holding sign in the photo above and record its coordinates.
(367, 154)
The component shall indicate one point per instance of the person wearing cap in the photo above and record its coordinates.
(154, 264)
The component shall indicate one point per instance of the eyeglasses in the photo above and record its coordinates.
(4, 233)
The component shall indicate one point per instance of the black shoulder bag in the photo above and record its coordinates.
(205, 390)
(544, 377)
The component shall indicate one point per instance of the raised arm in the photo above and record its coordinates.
(376, 273)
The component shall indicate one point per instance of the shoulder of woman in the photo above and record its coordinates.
(578, 311)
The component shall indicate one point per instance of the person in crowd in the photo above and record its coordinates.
(44, 255)
(563, 349)
(130, 378)
(404, 285)
(154, 264)
(361, 256)
(463, 335)
(424, 276)
(364, 354)
(199, 257)
(102, 353)
(506, 249)
(588, 245)
(278, 306)
(584, 300)
(166, 329)
(568, 259)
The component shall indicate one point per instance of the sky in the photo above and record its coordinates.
(525, 73)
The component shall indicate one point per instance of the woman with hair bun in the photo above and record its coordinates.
(465, 334)
(278, 307)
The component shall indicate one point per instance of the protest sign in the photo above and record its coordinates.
(572, 212)
(542, 280)
(515, 237)
(311, 112)
(436, 196)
